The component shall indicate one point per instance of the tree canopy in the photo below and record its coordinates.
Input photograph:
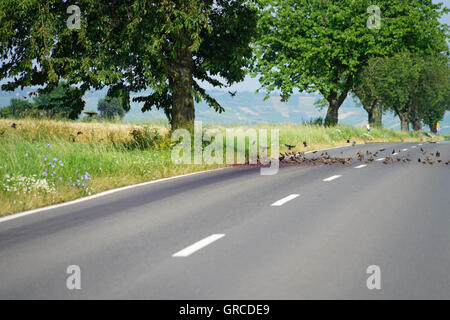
(166, 47)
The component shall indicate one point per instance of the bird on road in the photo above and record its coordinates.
(438, 154)
(354, 143)
(393, 151)
(421, 149)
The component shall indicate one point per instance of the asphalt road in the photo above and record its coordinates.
(234, 234)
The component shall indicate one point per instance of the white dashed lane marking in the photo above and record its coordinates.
(198, 245)
(284, 200)
(331, 178)
(361, 166)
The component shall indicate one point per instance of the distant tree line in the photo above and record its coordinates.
(63, 102)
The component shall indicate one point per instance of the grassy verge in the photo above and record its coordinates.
(44, 162)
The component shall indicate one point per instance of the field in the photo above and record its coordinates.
(45, 162)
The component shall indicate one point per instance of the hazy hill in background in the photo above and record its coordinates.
(248, 108)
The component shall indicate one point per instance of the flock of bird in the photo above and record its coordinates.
(293, 157)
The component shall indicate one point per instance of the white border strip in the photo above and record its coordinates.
(101, 194)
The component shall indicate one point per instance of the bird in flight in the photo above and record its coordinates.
(289, 146)
(232, 93)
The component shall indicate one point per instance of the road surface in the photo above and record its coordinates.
(308, 232)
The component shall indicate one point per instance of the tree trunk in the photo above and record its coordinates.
(375, 115)
(332, 115)
(433, 127)
(183, 110)
(378, 115)
(416, 121)
(404, 121)
(417, 125)
(334, 103)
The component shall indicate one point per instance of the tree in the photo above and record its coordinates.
(319, 45)
(167, 46)
(366, 92)
(111, 108)
(19, 108)
(432, 95)
(61, 100)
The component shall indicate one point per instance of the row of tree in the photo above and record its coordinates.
(173, 47)
(415, 88)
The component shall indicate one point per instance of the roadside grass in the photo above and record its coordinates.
(44, 162)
